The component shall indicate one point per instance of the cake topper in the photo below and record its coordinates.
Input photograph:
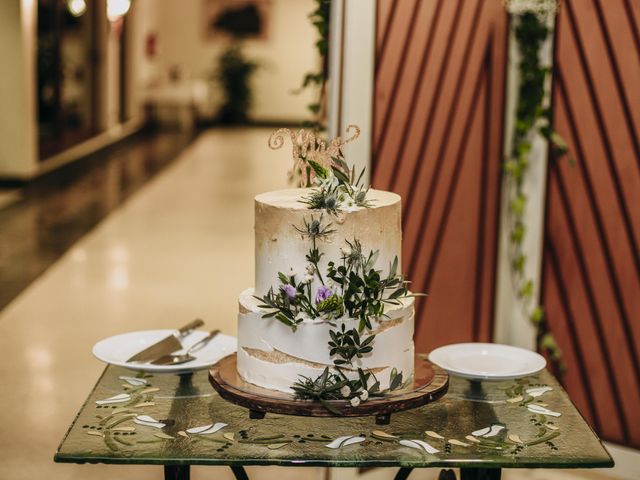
(306, 147)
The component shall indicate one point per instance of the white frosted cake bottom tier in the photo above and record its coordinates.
(273, 356)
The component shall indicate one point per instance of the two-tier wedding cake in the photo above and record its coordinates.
(330, 316)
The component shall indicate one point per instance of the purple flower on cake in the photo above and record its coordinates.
(323, 293)
(289, 291)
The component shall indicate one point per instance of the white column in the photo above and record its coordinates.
(18, 117)
(353, 82)
(512, 326)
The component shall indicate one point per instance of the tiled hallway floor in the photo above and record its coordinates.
(180, 248)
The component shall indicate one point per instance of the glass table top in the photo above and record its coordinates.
(180, 420)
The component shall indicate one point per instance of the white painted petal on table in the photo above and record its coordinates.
(201, 429)
(207, 429)
(410, 444)
(146, 418)
(353, 440)
(537, 391)
(491, 431)
(419, 445)
(433, 434)
(148, 421)
(120, 398)
(532, 407)
(134, 381)
(481, 432)
(344, 441)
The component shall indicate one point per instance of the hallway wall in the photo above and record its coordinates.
(285, 55)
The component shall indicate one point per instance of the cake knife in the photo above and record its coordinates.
(169, 344)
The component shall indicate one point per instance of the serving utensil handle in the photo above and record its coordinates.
(182, 331)
(198, 345)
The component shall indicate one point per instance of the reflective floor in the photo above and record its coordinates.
(43, 220)
(180, 247)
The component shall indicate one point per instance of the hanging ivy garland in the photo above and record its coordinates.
(319, 18)
(532, 118)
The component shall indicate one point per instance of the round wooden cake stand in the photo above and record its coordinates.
(429, 384)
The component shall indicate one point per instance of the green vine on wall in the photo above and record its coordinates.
(532, 118)
(318, 79)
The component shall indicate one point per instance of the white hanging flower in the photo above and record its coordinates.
(541, 8)
(355, 401)
(345, 391)
(364, 395)
(309, 273)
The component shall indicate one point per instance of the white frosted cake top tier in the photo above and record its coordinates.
(280, 248)
(291, 198)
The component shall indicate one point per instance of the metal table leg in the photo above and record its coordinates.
(480, 473)
(176, 472)
(403, 473)
(447, 474)
(239, 472)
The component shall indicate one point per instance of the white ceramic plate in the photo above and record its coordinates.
(487, 361)
(117, 349)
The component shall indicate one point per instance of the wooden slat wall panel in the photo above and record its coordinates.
(591, 268)
(437, 140)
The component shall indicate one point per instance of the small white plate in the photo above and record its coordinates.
(117, 349)
(487, 361)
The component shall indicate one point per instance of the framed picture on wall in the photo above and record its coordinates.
(236, 18)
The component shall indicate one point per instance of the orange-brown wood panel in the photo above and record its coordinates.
(591, 269)
(437, 139)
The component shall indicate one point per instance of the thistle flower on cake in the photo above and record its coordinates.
(322, 294)
(289, 291)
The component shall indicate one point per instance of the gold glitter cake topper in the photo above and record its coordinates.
(306, 146)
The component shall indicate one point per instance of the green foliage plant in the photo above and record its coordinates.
(317, 79)
(532, 117)
(233, 73)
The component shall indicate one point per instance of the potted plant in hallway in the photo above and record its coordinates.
(233, 73)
